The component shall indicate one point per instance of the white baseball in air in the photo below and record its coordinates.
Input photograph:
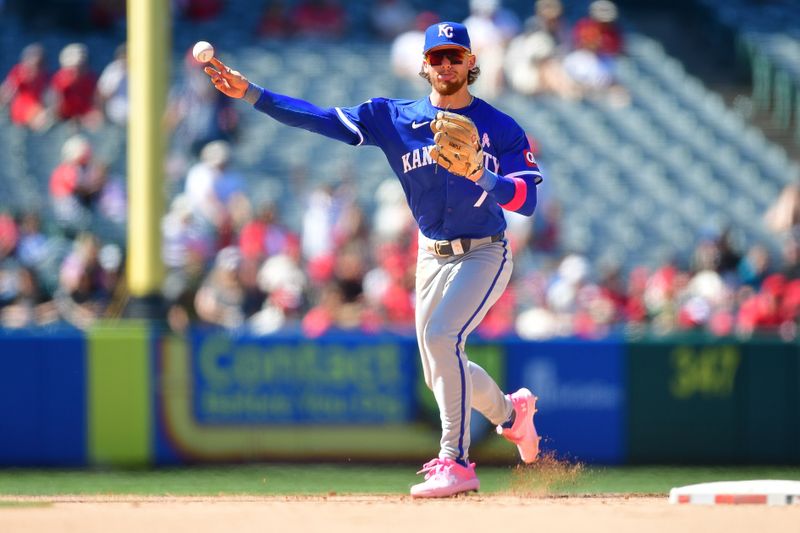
(203, 51)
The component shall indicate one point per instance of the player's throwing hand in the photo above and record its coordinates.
(229, 82)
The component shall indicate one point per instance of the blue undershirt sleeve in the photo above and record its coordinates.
(302, 114)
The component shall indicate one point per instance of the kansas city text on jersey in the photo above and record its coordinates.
(422, 157)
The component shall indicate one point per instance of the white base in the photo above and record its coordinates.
(761, 491)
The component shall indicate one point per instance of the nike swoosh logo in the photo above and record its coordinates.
(414, 125)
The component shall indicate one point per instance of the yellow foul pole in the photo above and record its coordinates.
(148, 64)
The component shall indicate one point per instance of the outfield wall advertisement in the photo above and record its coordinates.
(130, 395)
(358, 380)
(582, 396)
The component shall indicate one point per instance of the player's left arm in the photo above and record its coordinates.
(514, 188)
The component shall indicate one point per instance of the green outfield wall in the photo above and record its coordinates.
(713, 401)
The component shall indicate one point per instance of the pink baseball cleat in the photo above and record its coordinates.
(523, 432)
(445, 477)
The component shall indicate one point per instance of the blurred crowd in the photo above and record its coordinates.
(544, 54)
(233, 261)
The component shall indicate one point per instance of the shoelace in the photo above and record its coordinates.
(433, 467)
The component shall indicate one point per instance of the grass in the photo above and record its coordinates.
(16, 505)
(545, 477)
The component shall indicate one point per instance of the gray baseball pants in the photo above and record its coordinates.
(453, 294)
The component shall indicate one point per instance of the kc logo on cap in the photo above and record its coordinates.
(446, 34)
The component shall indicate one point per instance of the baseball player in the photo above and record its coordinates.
(461, 162)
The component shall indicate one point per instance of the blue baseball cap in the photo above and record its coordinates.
(446, 33)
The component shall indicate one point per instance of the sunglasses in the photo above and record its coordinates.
(454, 55)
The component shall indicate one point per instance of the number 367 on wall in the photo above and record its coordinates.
(707, 371)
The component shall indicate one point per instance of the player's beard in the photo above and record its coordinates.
(449, 87)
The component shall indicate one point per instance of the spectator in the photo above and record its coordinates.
(599, 31)
(33, 243)
(201, 188)
(75, 184)
(729, 255)
(489, 38)
(182, 282)
(318, 19)
(754, 267)
(390, 18)
(548, 17)
(318, 222)
(221, 297)
(349, 271)
(112, 88)
(112, 201)
(322, 317)
(24, 87)
(73, 87)
(9, 234)
(535, 319)
(598, 42)
(351, 228)
(705, 294)
(392, 220)
(533, 61)
(30, 307)
(573, 273)
(405, 56)
(790, 257)
(389, 287)
(83, 294)
(184, 234)
(783, 216)
(263, 236)
(546, 237)
(283, 279)
(762, 310)
(660, 297)
(111, 260)
(635, 310)
(9, 266)
(253, 297)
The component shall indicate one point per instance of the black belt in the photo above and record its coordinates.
(446, 248)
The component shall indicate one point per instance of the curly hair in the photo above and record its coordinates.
(474, 72)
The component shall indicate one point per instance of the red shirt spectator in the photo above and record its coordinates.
(9, 234)
(74, 84)
(64, 180)
(24, 87)
(763, 310)
(75, 176)
(599, 32)
(261, 237)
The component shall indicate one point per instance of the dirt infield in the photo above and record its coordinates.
(384, 514)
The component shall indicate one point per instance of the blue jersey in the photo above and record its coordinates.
(445, 205)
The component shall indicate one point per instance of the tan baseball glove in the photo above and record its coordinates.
(458, 149)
